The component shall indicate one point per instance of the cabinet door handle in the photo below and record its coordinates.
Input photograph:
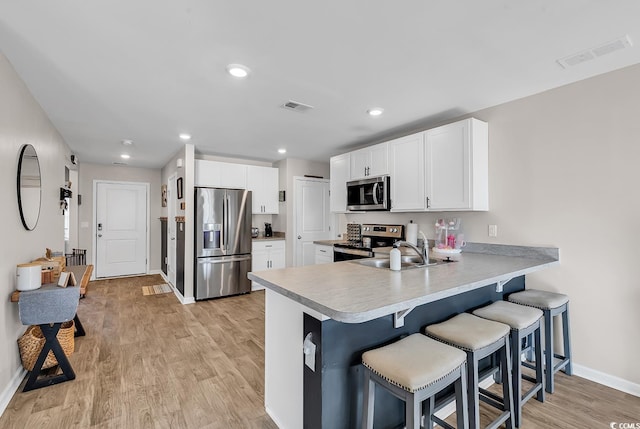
(428, 203)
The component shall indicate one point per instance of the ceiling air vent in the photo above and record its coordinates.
(296, 106)
(590, 54)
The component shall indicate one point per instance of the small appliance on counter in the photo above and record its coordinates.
(268, 232)
(255, 232)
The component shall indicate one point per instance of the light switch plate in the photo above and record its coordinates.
(493, 230)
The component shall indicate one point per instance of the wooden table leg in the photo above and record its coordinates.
(79, 329)
(51, 343)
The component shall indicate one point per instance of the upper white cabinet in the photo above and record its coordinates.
(457, 166)
(406, 167)
(220, 174)
(263, 184)
(339, 175)
(370, 161)
(442, 169)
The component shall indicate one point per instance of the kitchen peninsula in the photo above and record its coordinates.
(346, 308)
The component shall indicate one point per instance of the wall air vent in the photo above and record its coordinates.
(598, 51)
(296, 106)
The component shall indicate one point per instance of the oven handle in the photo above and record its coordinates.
(356, 252)
(375, 193)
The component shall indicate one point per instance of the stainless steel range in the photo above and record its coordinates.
(373, 235)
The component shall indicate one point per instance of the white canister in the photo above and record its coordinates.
(28, 276)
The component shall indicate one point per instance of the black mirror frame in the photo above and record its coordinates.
(22, 215)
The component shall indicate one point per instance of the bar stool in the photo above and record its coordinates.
(480, 338)
(551, 304)
(414, 369)
(524, 321)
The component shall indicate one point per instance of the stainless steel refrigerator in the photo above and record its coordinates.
(223, 242)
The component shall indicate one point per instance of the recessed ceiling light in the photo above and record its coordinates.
(185, 137)
(238, 70)
(282, 150)
(125, 156)
(127, 142)
(376, 111)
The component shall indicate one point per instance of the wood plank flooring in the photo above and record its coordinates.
(150, 362)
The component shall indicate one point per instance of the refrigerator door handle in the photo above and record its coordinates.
(223, 260)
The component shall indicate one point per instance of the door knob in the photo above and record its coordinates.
(99, 235)
(299, 237)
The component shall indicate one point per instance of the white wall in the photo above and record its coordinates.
(90, 172)
(22, 121)
(187, 173)
(563, 173)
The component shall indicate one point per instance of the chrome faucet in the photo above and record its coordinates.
(422, 253)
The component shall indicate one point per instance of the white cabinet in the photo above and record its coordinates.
(263, 184)
(406, 168)
(339, 176)
(267, 255)
(457, 166)
(370, 161)
(220, 174)
(324, 254)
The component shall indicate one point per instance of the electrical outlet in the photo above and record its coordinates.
(493, 230)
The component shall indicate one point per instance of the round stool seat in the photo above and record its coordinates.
(539, 299)
(414, 362)
(516, 316)
(468, 332)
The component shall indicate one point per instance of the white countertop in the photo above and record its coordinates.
(353, 293)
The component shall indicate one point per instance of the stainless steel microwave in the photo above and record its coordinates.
(372, 193)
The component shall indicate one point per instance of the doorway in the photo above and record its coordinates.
(311, 217)
(171, 229)
(121, 236)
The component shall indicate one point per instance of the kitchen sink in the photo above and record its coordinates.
(407, 262)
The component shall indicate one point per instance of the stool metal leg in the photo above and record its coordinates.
(460, 387)
(539, 368)
(507, 388)
(473, 391)
(548, 350)
(566, 340)
(516, 340)
(413, 411)
(368, 400)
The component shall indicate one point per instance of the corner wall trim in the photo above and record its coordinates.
(608, 380)
(11, 389)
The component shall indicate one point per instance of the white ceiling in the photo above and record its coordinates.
(147, 70)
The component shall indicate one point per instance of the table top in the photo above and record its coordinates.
(82, 273)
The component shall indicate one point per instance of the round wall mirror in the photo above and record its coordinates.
(29, 188)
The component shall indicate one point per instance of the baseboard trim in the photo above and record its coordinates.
(275, 420)
(605, 379)
(11, 389)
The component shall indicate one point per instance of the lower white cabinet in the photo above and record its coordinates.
(324, 254)
(267, 255)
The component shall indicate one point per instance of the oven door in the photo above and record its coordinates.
(346, 254)
(368, 194)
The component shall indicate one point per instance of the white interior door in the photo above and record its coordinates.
(171, 230)
(312, 218)
(121, 228)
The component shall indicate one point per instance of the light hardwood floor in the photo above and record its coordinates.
(150, 362)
